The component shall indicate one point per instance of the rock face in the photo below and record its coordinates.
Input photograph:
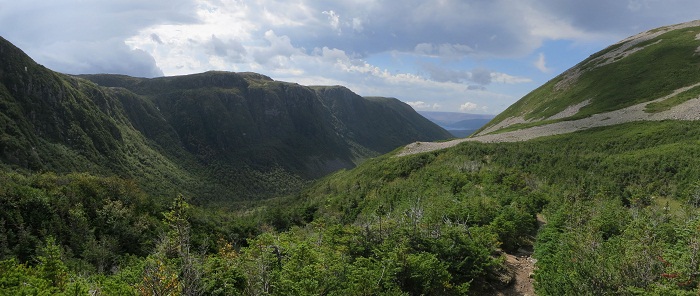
(229, 130)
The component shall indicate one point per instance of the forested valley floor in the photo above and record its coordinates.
(621, 205)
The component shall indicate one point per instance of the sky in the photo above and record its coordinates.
(471, 56)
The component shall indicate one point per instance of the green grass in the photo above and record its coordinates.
(669, 103)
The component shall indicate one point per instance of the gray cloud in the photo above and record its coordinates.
(621, 17)
(76, 37)
(458, 28)
(61, 20)
(441, 74)
(480, 76)
(231, 49)
(109, 56)
(450, 29)
(156, 38)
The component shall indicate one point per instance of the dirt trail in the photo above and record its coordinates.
(523, 266)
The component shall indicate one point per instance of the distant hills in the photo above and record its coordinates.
(458, 124)
(221, 135)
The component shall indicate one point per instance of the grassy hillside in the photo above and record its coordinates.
(639, 69)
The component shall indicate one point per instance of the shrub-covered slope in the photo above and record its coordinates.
(251, 119)
(216, 135)
(54, 122)
(619, 207)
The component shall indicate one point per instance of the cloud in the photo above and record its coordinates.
(446, 51)
(541, 64)
(450, 30)
(429, 51)
(481, 76)
(621, 18)
(278, 53)
(468, 107)
(231, 49)
(88, 37)
(442, 74)
(508, 79)
(156, 38)
(334, 20)
(357, 25)
(455, 29)
(107, 56)
(420, 105)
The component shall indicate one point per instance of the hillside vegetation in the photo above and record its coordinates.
(607, 209)
(639, 69)
(218, 136)
(620, 206)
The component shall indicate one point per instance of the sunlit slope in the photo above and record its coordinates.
(661, 65)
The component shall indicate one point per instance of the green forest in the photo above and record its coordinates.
(608, 211)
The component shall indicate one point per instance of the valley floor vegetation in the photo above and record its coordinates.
(621, 206)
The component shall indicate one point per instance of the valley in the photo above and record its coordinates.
(224, 183)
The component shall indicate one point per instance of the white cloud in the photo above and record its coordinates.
(334, 20)
(508, 79)
(468, 107)
(481, 76)
(420, 105)
(357, 25)
(541, 64)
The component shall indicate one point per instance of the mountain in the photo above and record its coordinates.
(650, 76)
(250, 118)
(216, 134)
(458, 124)
(601, 199)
